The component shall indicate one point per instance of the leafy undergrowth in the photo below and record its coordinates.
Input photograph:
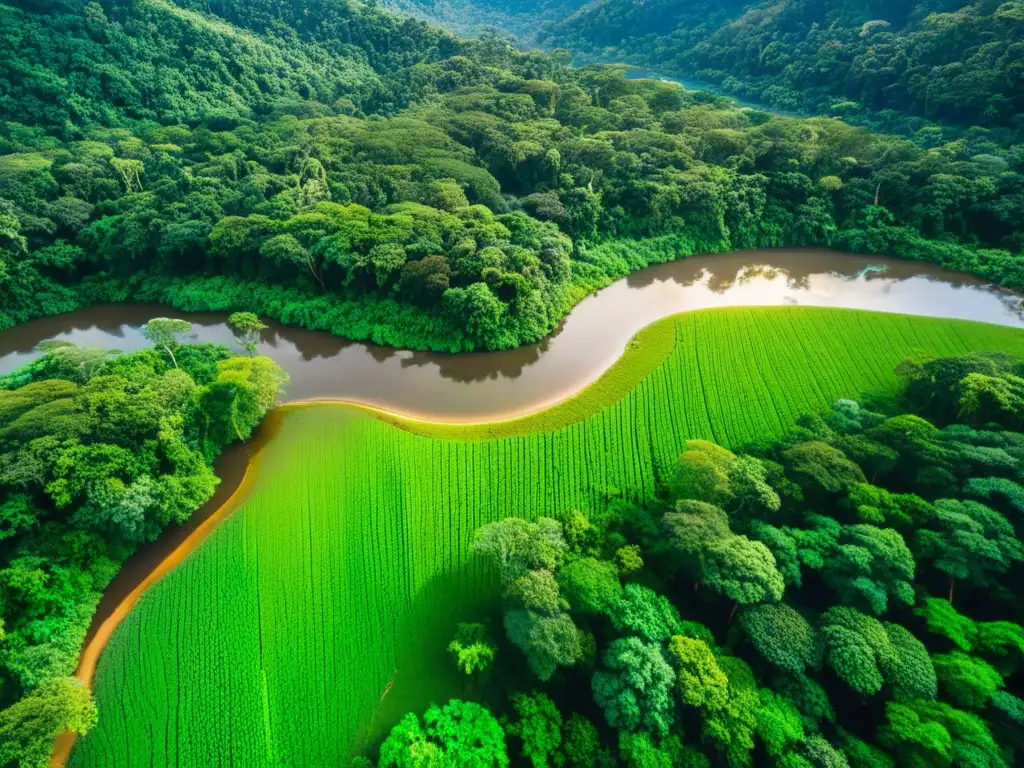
(319, 613)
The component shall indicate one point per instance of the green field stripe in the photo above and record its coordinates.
(273, 643)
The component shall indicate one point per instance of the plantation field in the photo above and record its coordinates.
(316, 615)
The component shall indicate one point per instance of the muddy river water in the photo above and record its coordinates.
(493, 385)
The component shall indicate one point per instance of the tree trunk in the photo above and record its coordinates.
(878, 190)
(732, 614)
(315, 272)
(952, 581)
(171, 353)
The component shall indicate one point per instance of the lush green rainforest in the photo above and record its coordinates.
(346, 170)
(839, 592)
(99, 452)
(883, 62)
(660, 601)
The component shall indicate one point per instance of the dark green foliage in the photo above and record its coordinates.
(972, 542)
(874, 62)
(783, 637)
(539, 726)
(635, 687)
(866, 654)
(91, 466)
(582, 747)
(374, 177)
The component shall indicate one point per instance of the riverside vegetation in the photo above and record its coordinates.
(361, 543)
(99, 452)
(702, 559)
(348, 170)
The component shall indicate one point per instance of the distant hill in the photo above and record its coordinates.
(72, 63)
(948, 60)
(873, 61)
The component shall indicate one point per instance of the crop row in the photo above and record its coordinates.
(318, 614)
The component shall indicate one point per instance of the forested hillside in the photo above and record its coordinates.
(416, 190)
(947, 60)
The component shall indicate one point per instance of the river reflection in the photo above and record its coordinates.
(486, 385)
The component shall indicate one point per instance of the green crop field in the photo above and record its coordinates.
(318, 613)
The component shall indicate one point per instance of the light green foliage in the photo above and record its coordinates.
(877, 506)
(702, 473)
(742, 570)
(821, 754)
(731, 730)
(808, 696)
(350, 496)
(517, 547)
(942, 619)
(472, 649)
(635, 687)
(1002, 642)
(248, 326)
(643, 612)
(29, 727)
(164, 332)
(932, 733)
(701, 682)
(628, 559)
(865, 654)
(783, 637)
(539, 725)
(580, 535)
(459, 733)
(966, 681)
(590, 585)
(732, 565)
(778, 723)
(707, 472)
(244, 390)
(526, 554)
(639, 750)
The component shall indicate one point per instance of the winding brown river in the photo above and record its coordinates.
(494, 385)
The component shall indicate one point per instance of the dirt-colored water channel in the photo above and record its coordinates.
(495, 385)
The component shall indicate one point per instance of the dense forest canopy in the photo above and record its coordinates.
(417, 190)
(842, 598)
(874, 61)
(99, 452)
